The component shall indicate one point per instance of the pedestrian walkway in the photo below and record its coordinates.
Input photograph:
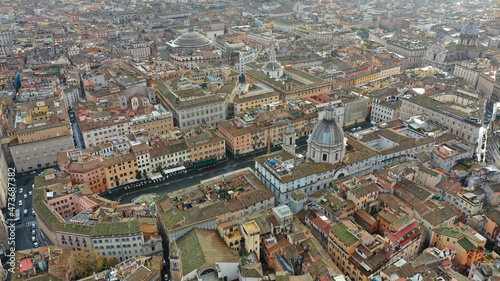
(25, 224)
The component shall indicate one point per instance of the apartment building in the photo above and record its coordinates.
(70, 219)
(244, 232)
(448, 154)
(359, 260)
(469, 71)
(207, 147)
(468, 203)
(140, 50)
(142, 156)
(6, 38)
(120, 169)
(388, 70)
(299, 85)
(459, 111)
(355, 109)
(239, 140)
(191, 106)
(468, 243)
(176, 218)
(70, 96)
(38, 130)
(485, 86)
(98, 131)
(492, 226)
(257, 97)
(121, 247)
(90, 170)
(157, 122)
(169, 154)
(412, 50)
(361, 192)
(385, 109)
(267, 129)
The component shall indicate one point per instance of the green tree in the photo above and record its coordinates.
(111, 262)
(85, 262)
(159, 169)
(138, 175)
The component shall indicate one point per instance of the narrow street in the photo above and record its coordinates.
(77, 135)
(482, 141)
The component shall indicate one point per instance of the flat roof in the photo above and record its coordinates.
(283, 211)
(251, 226)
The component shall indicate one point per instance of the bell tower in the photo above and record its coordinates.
(175, 262)
(289, 138)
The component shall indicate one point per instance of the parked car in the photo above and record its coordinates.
(20, 202)
(36, 244)
(21, 190)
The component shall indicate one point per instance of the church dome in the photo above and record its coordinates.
(327, 131)
(191, 39)
(470, 29)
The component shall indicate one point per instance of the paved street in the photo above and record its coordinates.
(77, 135)
(193, 177)
(482, 141)
(23, 228)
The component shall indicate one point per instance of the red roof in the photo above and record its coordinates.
(324, 225)
(92, 50)
(403, 232)
(25, 264)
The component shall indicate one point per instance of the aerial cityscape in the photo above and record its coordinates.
(259, 140)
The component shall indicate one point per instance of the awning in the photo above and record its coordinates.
(245, 151)
(204, 163)
(173, 170)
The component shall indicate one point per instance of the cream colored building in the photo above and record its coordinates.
(39, 130)
(98, 132)
(467, 71)
(458, 111)
(251, 234)
(141, 50)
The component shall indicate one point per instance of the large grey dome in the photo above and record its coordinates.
(470, 29)
(327, 131)
(190, 39)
